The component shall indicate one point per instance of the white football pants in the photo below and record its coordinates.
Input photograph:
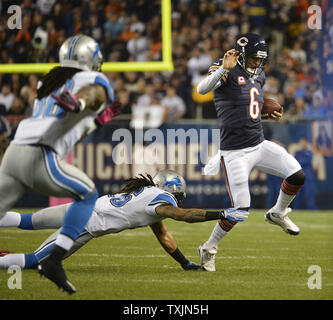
(237, 165)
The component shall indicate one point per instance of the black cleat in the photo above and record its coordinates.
(54, 271)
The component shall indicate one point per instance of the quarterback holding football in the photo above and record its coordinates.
(237, 82)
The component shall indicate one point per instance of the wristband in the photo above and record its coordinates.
(213, 215)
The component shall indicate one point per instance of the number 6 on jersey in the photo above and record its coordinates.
(254, 108)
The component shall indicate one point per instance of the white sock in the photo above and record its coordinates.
(12, 259)
(10, 219)
(216, 236)
(64, 241)
(283, 201)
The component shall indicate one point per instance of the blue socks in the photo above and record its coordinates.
(76, 218)
(78, 215)
(31, 261)
(26, 222)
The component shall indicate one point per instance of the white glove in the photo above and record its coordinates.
(233, 214)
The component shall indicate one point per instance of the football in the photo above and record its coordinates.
(270, 105)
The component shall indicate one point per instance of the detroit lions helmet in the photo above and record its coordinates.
(81, 52)
(172, 182)
(251, 45)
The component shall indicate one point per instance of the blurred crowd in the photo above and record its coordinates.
(299, 71)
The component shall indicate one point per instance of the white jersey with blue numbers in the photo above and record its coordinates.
(52, 126)
(114, 213)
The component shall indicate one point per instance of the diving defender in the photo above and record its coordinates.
(143, 201)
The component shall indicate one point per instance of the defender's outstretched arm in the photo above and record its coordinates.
(200, 215)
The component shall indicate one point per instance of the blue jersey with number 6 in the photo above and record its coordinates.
(238, 102)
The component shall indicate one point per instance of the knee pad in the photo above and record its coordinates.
(297, 178)
(91, 197)
(78, 215)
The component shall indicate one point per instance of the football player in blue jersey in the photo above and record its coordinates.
(237, 82)
(144, 201)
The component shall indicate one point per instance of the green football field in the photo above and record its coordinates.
(255, 261)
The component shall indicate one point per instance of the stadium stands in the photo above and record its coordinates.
(202, 31)
(299, 73)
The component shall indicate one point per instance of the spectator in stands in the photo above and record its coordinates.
(127, 34)
(298, 54)
(131, 81)
(39, 44)
(148, 97)
(305, 74)
(329, 103)
(18, 106)
(136, 24)
(28, 97)
(305, 199)
(6, 98)
(113, 27)
(32, 82)
(316, 109)
(285, 59)
(16, 84)
(173, 104)
(73, 21)
(138, 46)
(58, 15)
(124, 98)
(93, 7)
(52, 33)
(272, 86)
(289, 100)
(94, 29)
(257, 12)
(159, 86)
(209, 25)
(115, 6)
(296, 110)
(278, 23)
(23, 36)
(198, 64)
(311, 89)
(299, 88)
(45, 6)
(323, 140)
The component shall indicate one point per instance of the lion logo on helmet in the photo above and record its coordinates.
(174, 182)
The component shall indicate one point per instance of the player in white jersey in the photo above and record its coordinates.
(144, 201)
(68, 100)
